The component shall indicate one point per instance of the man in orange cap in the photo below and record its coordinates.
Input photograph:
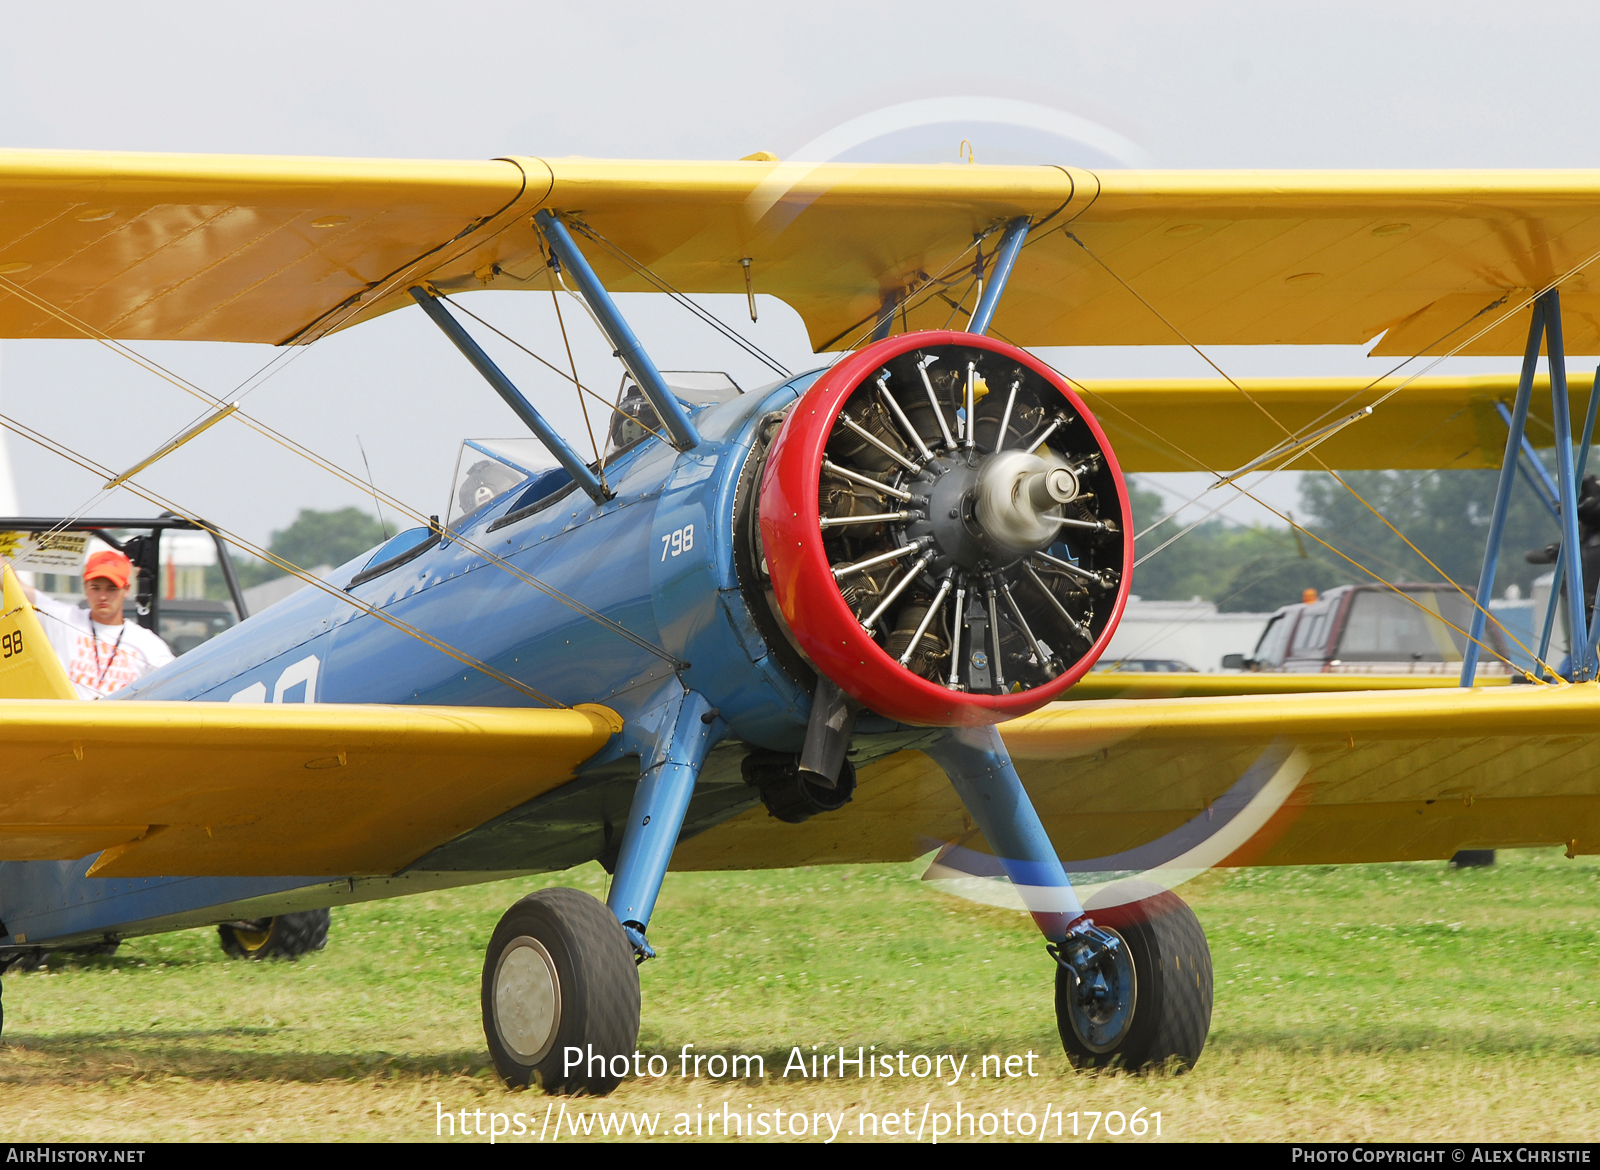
(101, 651)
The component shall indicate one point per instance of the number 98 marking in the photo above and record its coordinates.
(677, 543)
(10, 644)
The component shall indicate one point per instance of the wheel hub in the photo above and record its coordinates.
(527, 997)
(1106, 990)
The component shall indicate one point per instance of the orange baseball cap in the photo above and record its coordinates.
(113, 566)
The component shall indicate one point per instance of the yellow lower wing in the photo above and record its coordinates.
(1178, 684)
(247, 789)
(1394, 775)
(29, 668)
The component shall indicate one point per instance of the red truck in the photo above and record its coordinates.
(1373, 629)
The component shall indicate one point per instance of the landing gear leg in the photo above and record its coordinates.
(1133, 979)
(560, 980)
(656, 816)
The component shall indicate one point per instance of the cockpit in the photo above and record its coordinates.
(634, 418)
(487, 469)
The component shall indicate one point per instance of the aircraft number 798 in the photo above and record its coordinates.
(679, 542)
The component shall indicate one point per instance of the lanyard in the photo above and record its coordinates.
(94, 637)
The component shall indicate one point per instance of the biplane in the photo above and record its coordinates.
(841, 617)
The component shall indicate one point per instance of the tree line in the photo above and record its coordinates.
(1444, 514)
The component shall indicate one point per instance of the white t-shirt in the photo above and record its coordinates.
(99, 659)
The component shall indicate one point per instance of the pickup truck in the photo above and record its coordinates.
(1372, 629)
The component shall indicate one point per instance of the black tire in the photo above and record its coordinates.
(1163, 1017)
(285, 936)
(559, 974)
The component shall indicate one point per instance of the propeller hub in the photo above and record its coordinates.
(1016, 498)
(984, 511)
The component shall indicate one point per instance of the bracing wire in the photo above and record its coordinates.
(958, 305)
(506, 337)
(916, 297)
(1291, 436)
(1390, 393)
(383, 524)
(1399, 492)
(661, 283)
(297, 448)
(83, 461)
(594, 444)
(1295, 525)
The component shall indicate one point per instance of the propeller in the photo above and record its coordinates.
(945, 529)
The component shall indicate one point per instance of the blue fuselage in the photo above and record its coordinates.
(657, 559)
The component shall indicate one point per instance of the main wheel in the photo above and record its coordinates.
(561, 995)
(1148, 1005)
(284, 936)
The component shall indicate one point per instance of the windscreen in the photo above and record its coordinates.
(488, 468)
(633, 418)
(1383, 626)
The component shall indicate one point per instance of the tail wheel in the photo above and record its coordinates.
(284, 936)
(561, 994)
(946, 529)
(1148, 1005)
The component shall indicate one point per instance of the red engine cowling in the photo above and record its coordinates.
(942, 575)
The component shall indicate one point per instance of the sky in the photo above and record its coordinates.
(1189, 85)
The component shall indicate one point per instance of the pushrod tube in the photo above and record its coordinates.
(503, 386)
(623, 342)
(1502, 496)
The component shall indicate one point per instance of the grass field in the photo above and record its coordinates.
(1366, 1002)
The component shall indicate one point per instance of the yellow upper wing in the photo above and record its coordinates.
(286, 249)
(1391, 776)
(1191, 424)
(247, 789)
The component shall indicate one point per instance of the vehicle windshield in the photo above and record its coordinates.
(187, 622)
(1386, 627)
(1274, 641)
